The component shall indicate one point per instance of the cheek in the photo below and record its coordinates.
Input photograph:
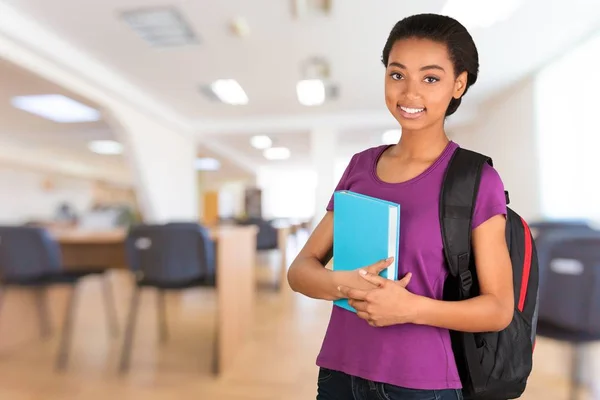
(391, 96)
(439, 99)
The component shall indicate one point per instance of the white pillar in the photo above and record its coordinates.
(323, 155)
(162, 161)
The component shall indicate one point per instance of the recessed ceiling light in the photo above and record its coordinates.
(302, 8)
(311, 92)
(108, 147)
(229, 91)
(56, 107)
(277, 153)
(261, 142)
(207, 164)
(480, 14)
(392, 136)
(161, 26)
(239, 26)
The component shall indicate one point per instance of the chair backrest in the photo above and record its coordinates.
(27, 253)
(267, 237)
(171, 253)
(570, 280)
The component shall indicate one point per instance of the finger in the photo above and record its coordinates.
(363, 315)
(358, 305)
(380, 265)
(352, 293)
(405, 280)
(372, 278)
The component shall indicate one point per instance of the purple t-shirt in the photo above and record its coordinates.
(407, 355)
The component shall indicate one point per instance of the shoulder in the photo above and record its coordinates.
(371, 152)
(365, 157)
(491, 179)
(491, 198)
(368, 155)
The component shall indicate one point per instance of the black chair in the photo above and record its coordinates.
(174, 256)
(569, 291)
(30, 258)
(266, 238)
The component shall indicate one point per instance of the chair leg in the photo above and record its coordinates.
(129, 330)
(67, 331)
(41, 302)
(576, 360)
(162, 316)
(111, 309)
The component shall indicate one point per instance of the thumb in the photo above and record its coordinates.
(380, 265)
(405, 280)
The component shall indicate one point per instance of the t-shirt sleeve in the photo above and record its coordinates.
(343, 183)
(491, 200)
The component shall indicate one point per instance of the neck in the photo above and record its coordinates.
(424, 144)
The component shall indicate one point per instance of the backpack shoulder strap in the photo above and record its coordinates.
(457, 203)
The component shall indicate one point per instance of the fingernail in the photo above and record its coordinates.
(362, 272)
(389, 259)
(339, 288)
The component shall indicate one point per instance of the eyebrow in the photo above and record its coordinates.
(426, 67)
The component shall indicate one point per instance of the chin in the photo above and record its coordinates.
(412, 125)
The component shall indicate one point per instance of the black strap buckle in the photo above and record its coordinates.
(466, 281)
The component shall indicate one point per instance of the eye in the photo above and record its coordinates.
(431, 79)
(396, 76)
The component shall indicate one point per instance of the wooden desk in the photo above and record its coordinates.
(236, 257)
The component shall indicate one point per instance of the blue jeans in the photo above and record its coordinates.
(335, 385)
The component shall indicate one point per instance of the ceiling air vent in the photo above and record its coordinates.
(309, 8)
(160, 27)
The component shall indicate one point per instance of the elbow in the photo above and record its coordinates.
(291, 278)
(504, 317)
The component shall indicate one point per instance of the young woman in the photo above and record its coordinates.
(397, 346)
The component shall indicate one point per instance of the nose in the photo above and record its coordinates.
(411, 90)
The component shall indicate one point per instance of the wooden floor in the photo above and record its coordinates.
(277, 363)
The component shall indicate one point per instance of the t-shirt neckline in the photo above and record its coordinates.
(449, 147)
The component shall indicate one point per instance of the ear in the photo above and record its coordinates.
(460, 85)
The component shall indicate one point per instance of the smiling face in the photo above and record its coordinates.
(420, 82)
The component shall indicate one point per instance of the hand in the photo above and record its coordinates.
(352, 279)
(388, 304)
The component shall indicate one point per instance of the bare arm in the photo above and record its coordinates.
(307, 274)
(493, 309)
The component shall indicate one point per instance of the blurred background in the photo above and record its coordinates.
(162, 162)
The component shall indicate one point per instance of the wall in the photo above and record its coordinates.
(29, 195)
(569, 139)
(506, 131)
(232, 198)
(287, 192)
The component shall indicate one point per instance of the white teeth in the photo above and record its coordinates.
(411, 110)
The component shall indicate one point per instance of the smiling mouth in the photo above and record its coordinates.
(411, 110)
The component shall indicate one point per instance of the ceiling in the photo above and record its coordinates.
(22, 130)
(267, 62)
(349, 142)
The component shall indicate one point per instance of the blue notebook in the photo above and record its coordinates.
(365, 230)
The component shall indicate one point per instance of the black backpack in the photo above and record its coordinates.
(492, 365)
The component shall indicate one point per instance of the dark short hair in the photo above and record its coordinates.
(439, 28)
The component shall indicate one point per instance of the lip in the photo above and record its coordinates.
(406, 115)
